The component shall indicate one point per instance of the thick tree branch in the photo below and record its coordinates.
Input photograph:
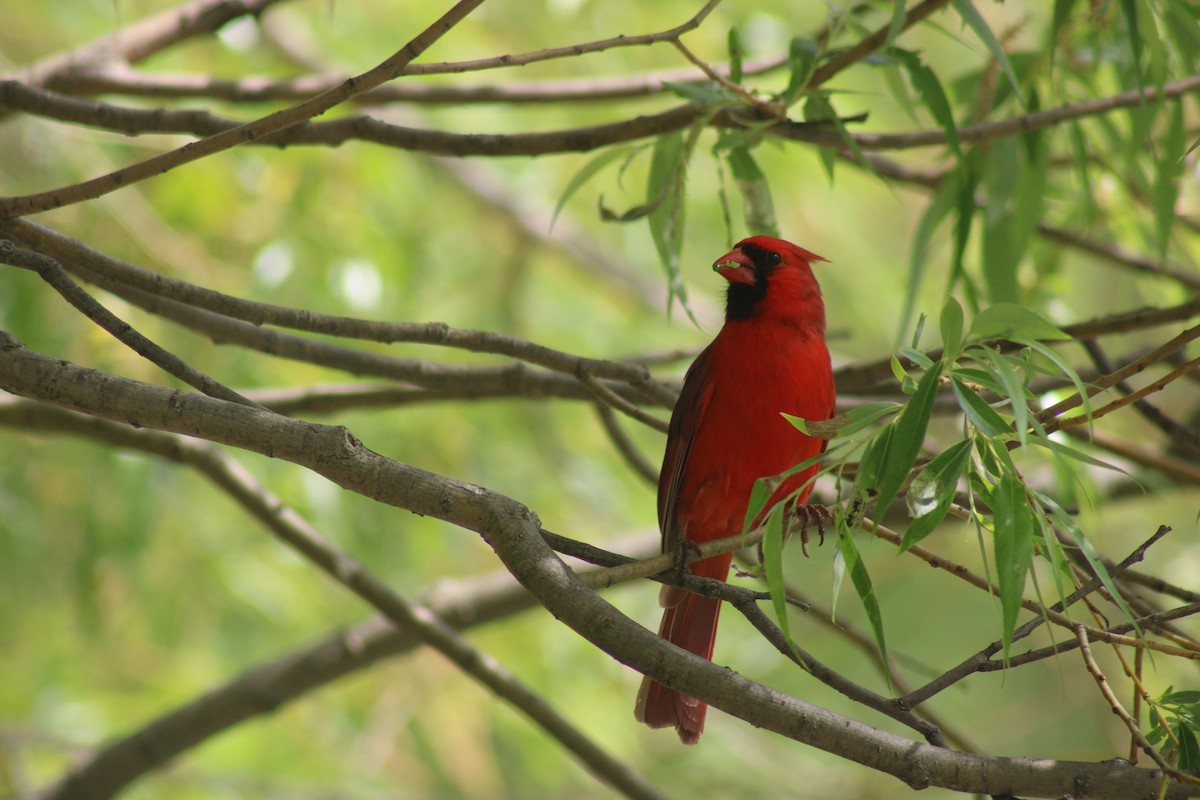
(416, 619)
(513, 531)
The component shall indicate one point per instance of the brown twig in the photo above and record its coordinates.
(1181, 435)
(1060, 423)
(1134, 367)
(248, 132)
(1085, 651)
(625, 446)
(138, 41)
(115, 274)
(53, 274)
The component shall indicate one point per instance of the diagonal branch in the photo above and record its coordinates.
(417, 620)
(52, 273)
(514, 533)
(115, 274)
(249, 132)
(142, 39)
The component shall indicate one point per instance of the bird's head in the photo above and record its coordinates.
(769, 277)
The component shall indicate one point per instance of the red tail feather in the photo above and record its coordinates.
(689, 622)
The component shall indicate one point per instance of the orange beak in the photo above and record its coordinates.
(735, 267)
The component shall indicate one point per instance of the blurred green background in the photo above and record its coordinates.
(129, 586)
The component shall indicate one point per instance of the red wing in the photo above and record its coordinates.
(685, 421)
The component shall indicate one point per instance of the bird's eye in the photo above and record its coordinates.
(773, 259)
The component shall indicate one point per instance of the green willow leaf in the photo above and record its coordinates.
(708, 93)
(874, 457)
(665, 189)
(907, 439)
(1012, 321)
(1130, 13)
(760, 493)
(899, 15)
(736, 53)
(1068, 525)
(756, 192)
(926, 82)
(1062, 12)
(802, 58)
(936, 211)
(1168, 169)
(951, 325)
(861, 580)
(586, 173)
(975, 21)
(979, 413)
(933, 490)
(1004, 369)
(860, 417)
(773, 564)
(966, 182)
(1013, 549)
(1188, 757)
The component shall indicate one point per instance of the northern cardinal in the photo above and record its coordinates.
(727, 431)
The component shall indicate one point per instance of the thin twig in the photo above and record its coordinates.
(114, 273)
(1158, 385)
(221, 133)
(248, 132)
(625, 446)
(1180, 434)
(834, 679)
(139, 40)
(53, 274)
(1134, 367)
(1086, 651)
(609, 397)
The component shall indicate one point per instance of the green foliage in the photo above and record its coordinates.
(1174, 725)
(121, 560)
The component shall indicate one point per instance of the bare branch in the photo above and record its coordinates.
(121, 763)
(251, 131)
(514, 533)
(53, 273)
(1115, 704)
(628, 450)
(136, 42)
(115, 274)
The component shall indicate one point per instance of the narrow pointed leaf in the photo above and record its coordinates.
(756, 192)
(586, 173)
(933, 491)
(951, 325)
(907, 439)
(1013, 549)
(975, 21)
(773, 562)
(861, 580)
(979, 413)
(1012, 321)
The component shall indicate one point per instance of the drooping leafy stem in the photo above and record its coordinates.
(1016, 521)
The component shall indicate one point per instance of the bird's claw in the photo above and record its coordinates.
(687, 552)
(807, 514)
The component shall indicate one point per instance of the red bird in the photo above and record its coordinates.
(726, 432)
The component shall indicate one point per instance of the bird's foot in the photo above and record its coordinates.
(687, 552)
(808, 514)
